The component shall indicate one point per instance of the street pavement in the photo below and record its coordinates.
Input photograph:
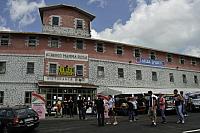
(142, 125)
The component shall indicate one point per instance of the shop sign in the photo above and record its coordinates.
(66, 71)
(38, 104)
(66, 31)
(150, 62)
(66, 56)
(65, 79)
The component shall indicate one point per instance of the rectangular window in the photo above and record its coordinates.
(138, 75)
(171, 77)
(137, 53)
(184, 78)
(196, 79)
(54, 42)
(1, 97)
(119, 50)
(79, 24)
(4, 40)
(2, 67)
(182, 60)
(169, 58)
(152, 55)
(30, 68)
(120, 72)
(100, 47)
(154, 76)
(79, 43)
(193, 62)
(32, 41)
(55, 21)
(100, 71)
(79, 70)
(27, 97)
(53, 69)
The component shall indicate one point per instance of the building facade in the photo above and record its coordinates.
(65, 61)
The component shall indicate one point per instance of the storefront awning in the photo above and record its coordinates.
(63, 85)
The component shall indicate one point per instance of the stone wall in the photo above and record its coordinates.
(111, 76)
(16, 81)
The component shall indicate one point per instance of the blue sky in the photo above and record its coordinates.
(170, 25)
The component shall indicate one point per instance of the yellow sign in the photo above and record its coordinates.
(66, 71)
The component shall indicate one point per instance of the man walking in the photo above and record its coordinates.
(178, 104)
(100, 111)
(152, 108)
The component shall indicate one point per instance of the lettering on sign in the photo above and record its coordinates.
(66, 31)
(66, 71)
(66, 56)
(150, 62)
(66, 79)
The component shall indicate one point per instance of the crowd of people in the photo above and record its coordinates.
(103, 107)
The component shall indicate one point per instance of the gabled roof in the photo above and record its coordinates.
(50, 7)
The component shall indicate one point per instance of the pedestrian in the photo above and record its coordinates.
(152, 108)
(49, 109)
(80, 104)
(178, 104)
(135, 108)
(106, 110)
(100, 110)
(59, 106)
(184, 102)
(130, 109)
(71, 107)
(111, 112)
(162, 107)
(65, 106)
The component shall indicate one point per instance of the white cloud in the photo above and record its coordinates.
(24, 11)
(102, 3)
(3, 25)
(172, 25)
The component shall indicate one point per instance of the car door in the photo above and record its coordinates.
(9, 118)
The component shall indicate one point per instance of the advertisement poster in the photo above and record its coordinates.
(38, 104)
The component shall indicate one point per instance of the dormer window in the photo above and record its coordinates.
(55, 21)
(4, 40)
(137, 53)
(79, 24)
(32, 41)
(152, 55)
(119, 50)
(100, 47)
(193, 61)
(54, 42)
(182, 60)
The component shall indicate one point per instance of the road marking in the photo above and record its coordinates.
(191, 131)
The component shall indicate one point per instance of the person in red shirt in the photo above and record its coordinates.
(162, 107)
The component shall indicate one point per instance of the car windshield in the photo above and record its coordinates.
(31, 111)
(21, 112)
(2, 112)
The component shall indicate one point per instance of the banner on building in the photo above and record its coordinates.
(38, 104)
(149, 62)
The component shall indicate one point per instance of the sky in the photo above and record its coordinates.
(169, 25)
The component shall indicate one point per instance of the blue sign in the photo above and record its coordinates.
(150, 62)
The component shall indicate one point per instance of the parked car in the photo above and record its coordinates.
(170, 104)
(194, 101)
(17, 119)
